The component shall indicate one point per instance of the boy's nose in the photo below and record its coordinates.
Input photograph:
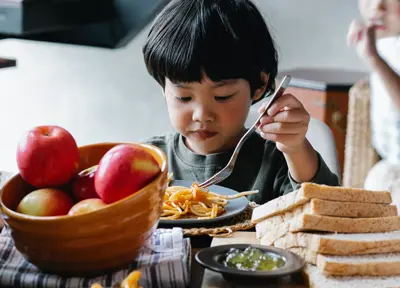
(377, 6)
(203, 114)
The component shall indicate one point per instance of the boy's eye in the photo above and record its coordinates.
(223, 98)
(183, 99)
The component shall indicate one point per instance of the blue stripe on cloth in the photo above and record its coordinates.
(172, 278)
(63, 282)
(40, 280)
(185, 275)
(20, 272)
(170, 283)
(154, 279)
(6, 252)
(6, 255)
(109, 280)
(173, 274)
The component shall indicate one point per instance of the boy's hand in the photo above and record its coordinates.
(363, 39)
(286, 123)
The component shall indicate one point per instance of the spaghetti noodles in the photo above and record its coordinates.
(195, 202)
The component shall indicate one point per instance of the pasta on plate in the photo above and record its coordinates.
(195, 202)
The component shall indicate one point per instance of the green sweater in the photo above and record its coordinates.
(260, 166)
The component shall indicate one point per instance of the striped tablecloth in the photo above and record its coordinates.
(165, 263)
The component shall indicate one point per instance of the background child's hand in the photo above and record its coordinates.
(363, 38)
(286, 123)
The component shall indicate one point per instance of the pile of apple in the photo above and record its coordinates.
(48, 159)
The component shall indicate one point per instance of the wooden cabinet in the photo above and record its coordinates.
(324, 94)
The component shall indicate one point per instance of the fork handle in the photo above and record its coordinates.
(278, 93)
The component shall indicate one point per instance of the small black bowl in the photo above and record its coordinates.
(212, 258)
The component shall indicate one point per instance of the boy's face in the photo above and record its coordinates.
(210, 115)
(384, 13)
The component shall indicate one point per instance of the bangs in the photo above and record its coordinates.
(206, 37)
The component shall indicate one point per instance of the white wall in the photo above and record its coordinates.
(107, 95)
(312, 33)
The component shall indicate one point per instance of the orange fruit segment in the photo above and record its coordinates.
(131, 281)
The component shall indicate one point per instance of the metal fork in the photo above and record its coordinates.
(227, 170)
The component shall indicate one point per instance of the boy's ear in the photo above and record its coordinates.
(260, 91)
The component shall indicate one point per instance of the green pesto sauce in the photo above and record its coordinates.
(252, 259)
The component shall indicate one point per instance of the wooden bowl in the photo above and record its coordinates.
(87, 244)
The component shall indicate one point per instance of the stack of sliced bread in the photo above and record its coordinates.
(343, 233)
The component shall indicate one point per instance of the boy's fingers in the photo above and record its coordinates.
(291, 116)
(285, 102)
(266, 119)
(283, 128)
(280, 138)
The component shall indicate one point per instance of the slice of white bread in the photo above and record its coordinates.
(279, 205)
(308, 255)
(276, 227)
(352, 265)
(338, 193)
(317, 279)
(307, 222)
(297, 220)
(350, 209)
(343, 244)
(298, 239)
(360, 265)
(308, 191)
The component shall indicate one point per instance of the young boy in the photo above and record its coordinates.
(377, 40)
(213, 60)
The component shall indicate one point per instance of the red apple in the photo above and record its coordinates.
(124, 170)
(47, 156)
(45, 202)
(86, 206)
(83, 184)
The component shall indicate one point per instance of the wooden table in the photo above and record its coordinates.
(212, 279)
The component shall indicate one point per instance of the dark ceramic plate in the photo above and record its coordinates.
(212, 258)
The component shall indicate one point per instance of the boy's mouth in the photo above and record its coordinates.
(203, 134)
(379, 25)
